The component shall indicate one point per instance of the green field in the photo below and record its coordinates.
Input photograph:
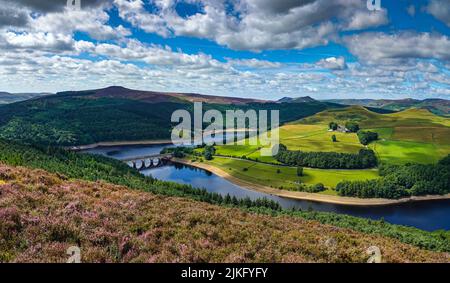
(414, 135)
(411, 136)
(317, 138)
(400, 152)
(266, 174)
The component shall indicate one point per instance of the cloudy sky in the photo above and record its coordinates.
(247, 48)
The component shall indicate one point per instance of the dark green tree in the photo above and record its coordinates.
(319, 187)
(208, 152)
(333, 126)
(299, 171)
(352, 126)
(365, 137)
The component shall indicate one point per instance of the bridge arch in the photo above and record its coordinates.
(144, 162)
(139, 164)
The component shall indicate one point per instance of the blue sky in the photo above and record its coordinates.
(246, 48)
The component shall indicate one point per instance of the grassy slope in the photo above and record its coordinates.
(317, 138)
(417, 136)
(43, 215)
(266, 174)
(414, 135)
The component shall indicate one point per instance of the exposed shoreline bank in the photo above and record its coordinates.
(118, 143)
(141, 142)
(309, 196)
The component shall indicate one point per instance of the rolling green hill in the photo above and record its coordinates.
(436, 106)
(410, 136)
(413, 135)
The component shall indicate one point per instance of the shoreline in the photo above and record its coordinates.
(137, 142)
(117, 143)
(308, 196)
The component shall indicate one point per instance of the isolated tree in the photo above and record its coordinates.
(333, 126)
(299, 171)
(333, 138)
(208, 152)
(208, 155)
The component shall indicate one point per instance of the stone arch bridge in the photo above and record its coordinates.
(148, 161)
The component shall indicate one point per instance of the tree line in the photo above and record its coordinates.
(327, 160)
(399, 181)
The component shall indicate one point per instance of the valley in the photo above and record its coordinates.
(411, 136)
(31, 137)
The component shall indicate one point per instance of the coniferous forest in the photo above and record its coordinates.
(402, 181)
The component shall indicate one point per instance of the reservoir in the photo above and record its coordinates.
(426, 215)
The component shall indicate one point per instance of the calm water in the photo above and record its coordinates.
(429, 215)
(131, 151)
(125, 152)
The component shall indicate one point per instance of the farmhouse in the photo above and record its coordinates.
(342, 129)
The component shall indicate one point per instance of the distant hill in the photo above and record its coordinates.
(157, 97)
(296, 100)
(437, 106)
(413, 117)
(308, 99)
(6, 97)
(121, 114)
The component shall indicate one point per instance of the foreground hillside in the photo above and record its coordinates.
(44, 214)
